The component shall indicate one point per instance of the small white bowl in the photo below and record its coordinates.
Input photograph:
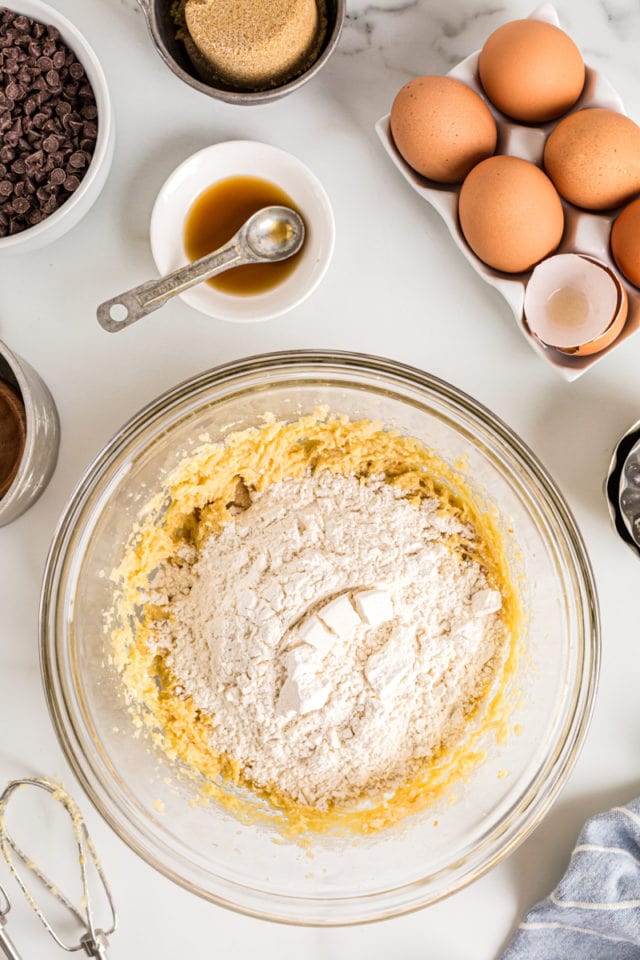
(244, 158)
(81, 201)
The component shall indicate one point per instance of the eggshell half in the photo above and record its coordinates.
(591, 312)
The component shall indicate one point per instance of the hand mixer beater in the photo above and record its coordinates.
(93, 940)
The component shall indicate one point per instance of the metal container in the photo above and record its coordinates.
(40, 453)
(622, 488)
(163, 32)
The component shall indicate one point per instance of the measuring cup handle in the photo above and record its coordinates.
(125, 309)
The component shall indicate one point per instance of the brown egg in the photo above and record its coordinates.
(593, 158)
(510, 213)
(625, 241)
(531, 70)
(442, 128)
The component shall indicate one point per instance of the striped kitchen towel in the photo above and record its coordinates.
(594, 912)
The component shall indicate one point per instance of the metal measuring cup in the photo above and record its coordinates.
(40, 453)
(163, 30)
(622, 488)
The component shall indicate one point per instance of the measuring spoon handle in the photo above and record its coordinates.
(144, 299)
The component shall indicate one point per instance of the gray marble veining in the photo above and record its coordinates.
(410, 37)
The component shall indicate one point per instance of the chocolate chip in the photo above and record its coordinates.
(6, 188)
(34, 160)
(50, 205)
(71, 183)
(50, 144)
(78, 160)
(74, 127)
(57, 177)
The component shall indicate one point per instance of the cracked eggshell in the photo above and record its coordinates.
(575, 304)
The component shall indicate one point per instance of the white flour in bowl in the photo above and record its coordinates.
(332, 635)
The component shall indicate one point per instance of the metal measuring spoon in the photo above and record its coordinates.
(272, 234)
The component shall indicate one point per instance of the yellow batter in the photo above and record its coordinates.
(195, 502)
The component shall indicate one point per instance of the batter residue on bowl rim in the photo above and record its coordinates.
(317, 618)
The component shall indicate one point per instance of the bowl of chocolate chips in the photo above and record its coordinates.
(56, 126)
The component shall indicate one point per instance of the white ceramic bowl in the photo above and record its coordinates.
(244, 158)
(80, 202)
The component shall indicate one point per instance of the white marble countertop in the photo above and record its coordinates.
(397, 287)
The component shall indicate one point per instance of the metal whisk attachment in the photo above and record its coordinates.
(93, 941)
(6, 944)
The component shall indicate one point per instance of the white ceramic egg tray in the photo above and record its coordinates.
(584, 232)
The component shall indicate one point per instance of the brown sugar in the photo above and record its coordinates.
(251, 44)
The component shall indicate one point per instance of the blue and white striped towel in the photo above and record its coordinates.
(594, 912)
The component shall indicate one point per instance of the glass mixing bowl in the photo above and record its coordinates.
(209, 851)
